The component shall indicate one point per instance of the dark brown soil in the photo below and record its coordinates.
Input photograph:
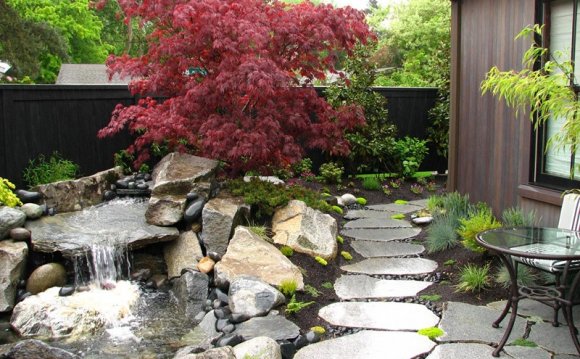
(320, 277)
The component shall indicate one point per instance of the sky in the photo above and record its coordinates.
(361, 4)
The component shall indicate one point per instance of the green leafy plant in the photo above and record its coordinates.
(480, 220)
(473, 278)
(396, 183)
(331, 172)
(398, 216)
(431, 333)
(371, 183)
(410, 152)
(303, 166)
(124, 160)
(340, 239)
(287, 251)
(327, 285)
(7, 197)
(441, 234)
(387, 190)
(312, 291)
(434, 203)
(321, 260)
(450, 262)
(346, 255)
(416, 188)
(430, 297)
(361, 200)
(295, 306)
(144, 168)
(516, 217)
(337, 209)
(525, 276)
(288, 287)
(524, 343)
(42, 170)
(431, 186)
(318, 330)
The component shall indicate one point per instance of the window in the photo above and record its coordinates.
(553, 165)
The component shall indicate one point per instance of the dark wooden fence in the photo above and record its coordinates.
(40, 119)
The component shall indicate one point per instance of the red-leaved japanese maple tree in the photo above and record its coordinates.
(236, 75)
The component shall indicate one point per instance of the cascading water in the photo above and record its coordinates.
(106, 263)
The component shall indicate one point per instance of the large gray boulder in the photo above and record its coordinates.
(120, 222)
(220, 216)
(10, 218)
(46, 276)
(176, 175)
(252, 297)
(74, 195)
(190, 293)
(32, 210)
(13, 262)
(184, 252)
(248, 254)
(32, 348)
(258, 348)
(305, 230)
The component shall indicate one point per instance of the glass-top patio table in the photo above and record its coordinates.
(551, 249)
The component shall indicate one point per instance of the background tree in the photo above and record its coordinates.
(237, 76)
(26, 43)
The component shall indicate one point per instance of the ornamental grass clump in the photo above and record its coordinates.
(517, 217)
(371, 183)
(288, 287)
(473, 278)
(42, 170)
(525, 275)
(441, 234)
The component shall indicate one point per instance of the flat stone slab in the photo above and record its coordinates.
(271, 326)
(369, 344)
(377, 223)
(397, 208)
(118, 222)
(554, 339)
(536, 310)
(519, 352)
(461, 351)
(381, 234)
(466, 322)
(364, 213)
(419, 202)
(371, 249)
(362, 286)
(393, 266)
(379, 315)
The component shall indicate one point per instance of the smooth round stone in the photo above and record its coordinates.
(147, 177)
(205, 265)
(142, 186)
(215, 256)
(221, 324)
(229, 339)
(422, 220)
(140, 176)
(222, 313)
(20, 234)
(228, 328)
(348, 199)
(239, 317)
(193, 211)
(300, 342)
(192, 196)
(28, 196)
(66, 291)
(131, 185)
(109, 195)
(123, 184)
(32, 210)
(312, 337)
(46, 276)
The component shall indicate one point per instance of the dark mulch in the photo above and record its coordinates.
(316, 275)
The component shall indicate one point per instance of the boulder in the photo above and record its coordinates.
(220, 216)
(32, 210)
(176, 175)
(184, 252)
(251, 297)
(190, 293)
(46, 276)
(19, 234)
(74, 195)
(272, 326)
(258, 348)
(32, 348)
(120, 222)
(305, 230)
(250, 255)
(348, 199)
(10, 218)
(13, 262)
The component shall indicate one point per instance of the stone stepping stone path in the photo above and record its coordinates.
(371, 249)
(379, 315)
(369, 344)
(381, 234)
(398, 208)
(365, 213)
(366, 223)
(362, 286)
(392, 266)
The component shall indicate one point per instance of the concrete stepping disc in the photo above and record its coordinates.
(397, 208)
(371, 249)
(377, 223)
(381, 234)
(369, 344)
(394, 266)
(362, 286)
(419, 202)
(363, 213)
(461, 351)
(379, 315)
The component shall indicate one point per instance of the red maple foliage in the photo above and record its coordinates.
(237, 75)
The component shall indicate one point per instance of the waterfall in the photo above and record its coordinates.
(105, 263)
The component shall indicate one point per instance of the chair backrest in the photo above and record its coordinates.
(570, 212)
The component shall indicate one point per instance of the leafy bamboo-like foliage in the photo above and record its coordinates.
(545, 91)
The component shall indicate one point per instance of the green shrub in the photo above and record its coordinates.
(346, 255)
(525, 276)
(516, 217)
(431, 186)
(410, 152)
(321, 260)
(337, 209)
(42, 170)
(331, 172)
(287, 251)
(294, 306)
(144, 168)
(416, 188)
(7, 197)
(481, 220)
(431, 333)
(441, 234)
(124, 160)
(288, 287)
(396, 183)
(361, 200)
(456, 205)
(473, 278)
(303, 166)
(435, 203)
(387, 190)
(313, 292)
(371, 183)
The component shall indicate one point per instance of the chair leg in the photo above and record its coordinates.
(557, 304)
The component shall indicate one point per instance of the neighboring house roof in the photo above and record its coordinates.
(87, 74)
